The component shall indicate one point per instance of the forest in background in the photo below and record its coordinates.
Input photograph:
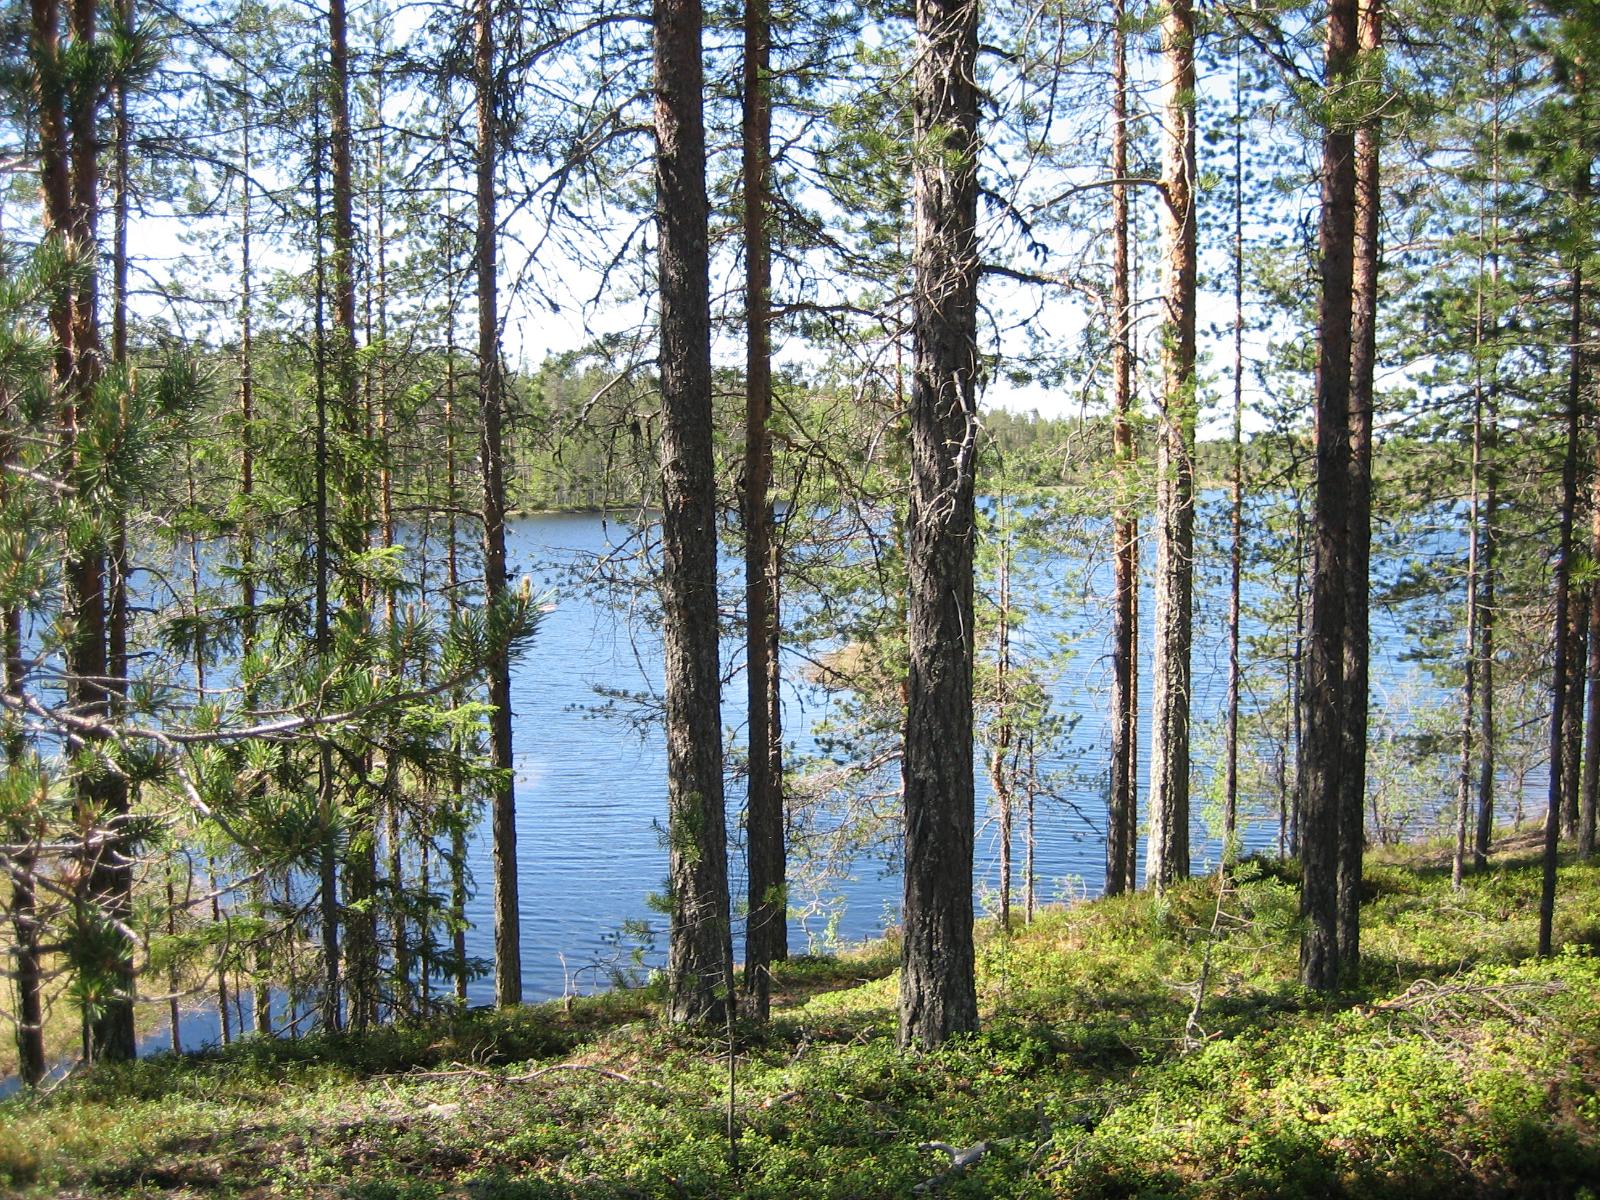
(261, 269)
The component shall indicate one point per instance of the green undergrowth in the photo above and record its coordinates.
(1138, 1046)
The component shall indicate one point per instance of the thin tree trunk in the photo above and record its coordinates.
(1030, 836)
(1230, 783)
(1578, 617)
(117, 662)
(361, 950)
(1562, 584)
(1323, 792)
(1358, 540)
(700, 953)
(23, 907)
(25, 954)
(1168, 856)
(1469, 664)
(1486, 605)
(174, 1014)
(1486, 609)
(1297, 672)
(222, 957)
(328, 867)
(261, 1007)
(1577, 662)
(1122, 807)
(938, 994)
(1000, 779)
(1591, 729)
(1591, 733)
(45, 53)
(503, 801)
(378, 381)
(767, 927)
(780, 938)
(1585, 824)
(458, 840)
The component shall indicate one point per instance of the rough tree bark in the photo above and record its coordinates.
(322, 616)
(700, 953)
(1322, 756)
(352, 516)
(938, 994)
(766, 936)
(69, 146)
(1168, 856)
(1358, 538)
(1123, 802)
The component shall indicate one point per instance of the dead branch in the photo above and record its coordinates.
(529, 1076)
(960, 1161)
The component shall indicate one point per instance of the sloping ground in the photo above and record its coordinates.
(1135, 1047)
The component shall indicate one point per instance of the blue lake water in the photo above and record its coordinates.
(591, 786)
(590, 781)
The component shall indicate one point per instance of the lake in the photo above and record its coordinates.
(590, 779)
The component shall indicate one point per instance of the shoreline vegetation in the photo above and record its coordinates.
(1132, 1046)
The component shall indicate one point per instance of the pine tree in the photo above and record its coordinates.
(766, 940)
(937, 989)
(1323, 795)
(700, 953)
(1168, 856)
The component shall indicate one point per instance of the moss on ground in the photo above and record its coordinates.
(1457, 1065)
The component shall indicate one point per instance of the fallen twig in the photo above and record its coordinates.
(960, 1161)
(529, 1076)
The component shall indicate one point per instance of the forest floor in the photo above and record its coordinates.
(1137, 1046)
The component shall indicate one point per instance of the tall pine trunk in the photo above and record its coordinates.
(766, 936)
(1168, 856)
(361, 943)
(1470, 659)
(1358, 539)
(117, 663)
(938, 994)
(1230, 785)
(503, 801)
(69, 157)
(1491, 502)
(458, 799)
(700, 950)
(322, 617)
(1591, 733)
(1559, 672)
(1323, 754)
(1123, 802)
